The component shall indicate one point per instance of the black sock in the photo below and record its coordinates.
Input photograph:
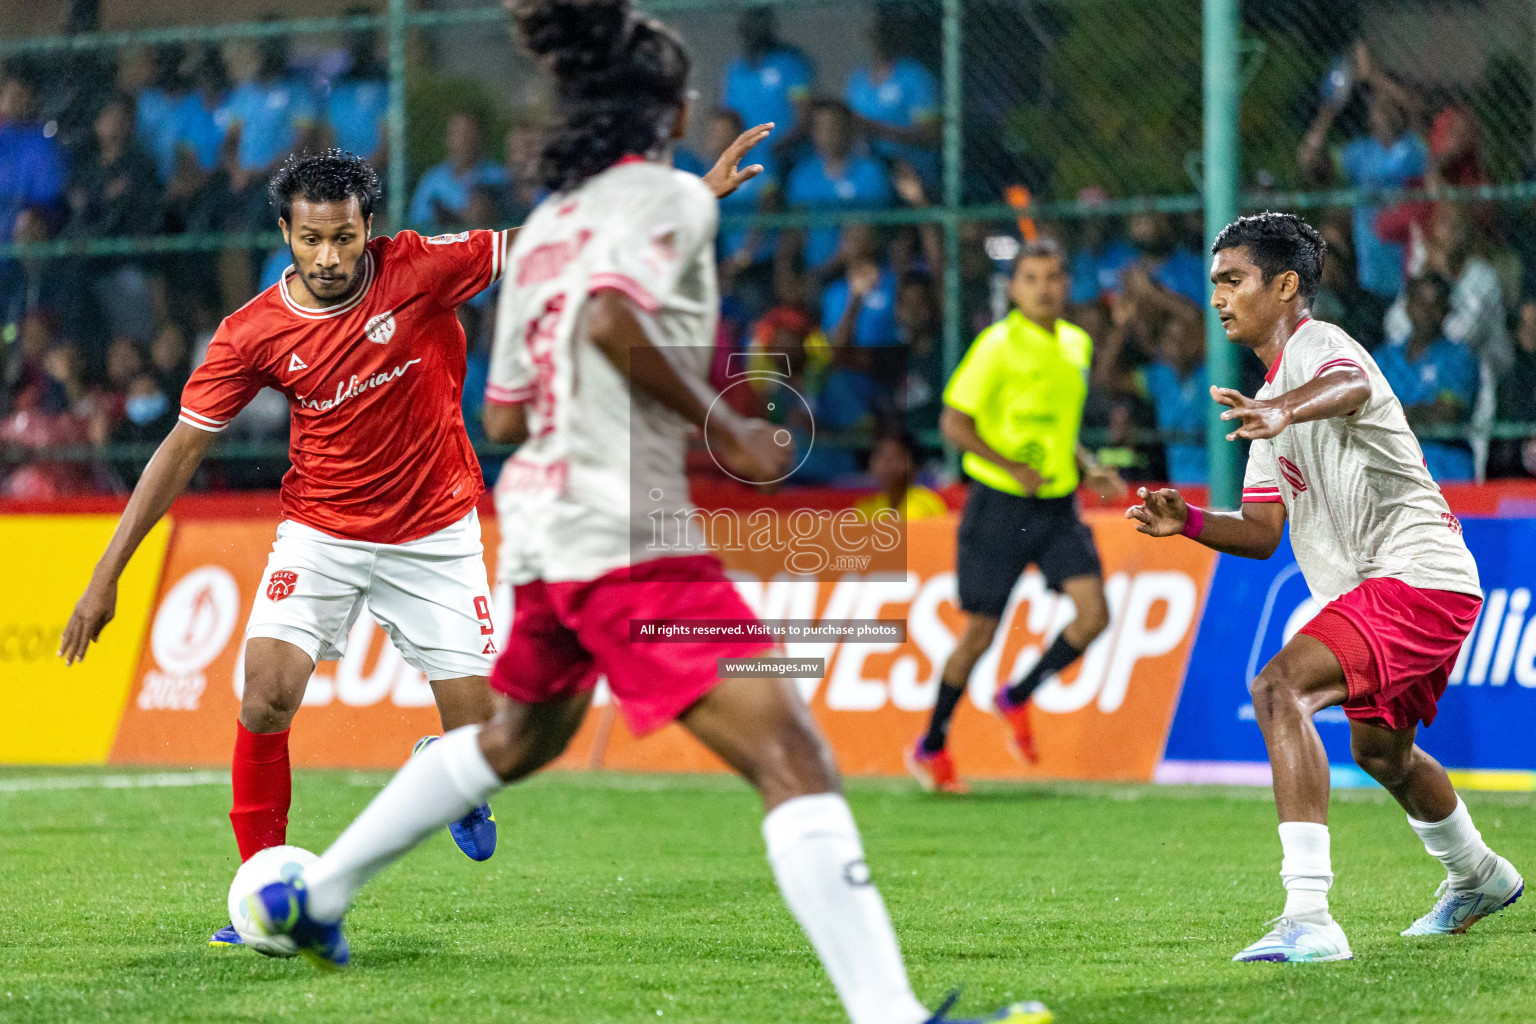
(1057, 657)
(943, 711)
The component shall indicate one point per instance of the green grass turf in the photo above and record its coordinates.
(622, 898)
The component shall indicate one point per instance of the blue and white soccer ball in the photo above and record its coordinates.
(274, 864)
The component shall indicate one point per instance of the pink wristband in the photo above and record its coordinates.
(1194, 522)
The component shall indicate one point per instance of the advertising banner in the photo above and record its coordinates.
(1486, 718)
(56, 714)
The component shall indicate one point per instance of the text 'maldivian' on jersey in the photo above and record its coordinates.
(373, 383)
(1360, 502)
(579, 498)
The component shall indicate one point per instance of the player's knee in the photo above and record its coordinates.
(269, 701)
(793, 762)
(513, 752)
(1273, 689)
(1388, 767)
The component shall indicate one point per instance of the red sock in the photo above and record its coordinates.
(263, 786)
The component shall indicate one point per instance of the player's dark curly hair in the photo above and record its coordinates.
(328, 177)
(1278, 242)
(620, 78)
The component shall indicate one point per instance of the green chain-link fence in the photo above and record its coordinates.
(1404, 130)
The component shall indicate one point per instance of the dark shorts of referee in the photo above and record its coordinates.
(1002, 534)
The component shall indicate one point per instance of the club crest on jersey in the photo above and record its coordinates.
(381, 328)
(1292, 476)
(281, 583)
(461, 236)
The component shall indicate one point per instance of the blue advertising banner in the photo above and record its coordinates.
(1487, 719)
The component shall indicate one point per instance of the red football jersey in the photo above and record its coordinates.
(378, 445)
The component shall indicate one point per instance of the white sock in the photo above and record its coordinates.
(440, 785)
(1306, 870)
(814, 848)
(1456, 843)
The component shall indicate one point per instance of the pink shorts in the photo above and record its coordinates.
(1397, 645)
(564, 635)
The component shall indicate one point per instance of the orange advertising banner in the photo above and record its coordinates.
(1106, 718)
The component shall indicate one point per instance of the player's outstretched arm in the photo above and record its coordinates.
(1253, 531)
(748, 447)
(1338, 391)
(164, 479)
(724, 178)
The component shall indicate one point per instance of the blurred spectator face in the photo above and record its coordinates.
(482, 210)
(724, 126)
(272, 55)
(1525, 334)
(1339, 257)
(887, 36)
(915, 314)
(1181, 343)
(1451, 233)
(36, 337)
(891, 464)
(1385, 120)
(169, 349)
(136, 69)
(18, 103)
(1152, 233)
(65, 364)
(524, 145)
(123, 363)
(1039, 288)
(32, 226)
(463, 142)
(859, 244)
(757, 29)
(831, 132)
(210, 77)
(113, 126)
(146, 402)
(327, 241)
(240, 58)
(1428, 305)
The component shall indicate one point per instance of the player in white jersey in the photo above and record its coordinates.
(1378, 546)
(602, 359)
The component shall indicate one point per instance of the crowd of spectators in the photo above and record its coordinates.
(94, 351)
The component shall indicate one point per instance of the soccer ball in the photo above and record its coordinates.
(274, 864)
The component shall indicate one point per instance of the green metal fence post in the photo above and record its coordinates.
(397, 170)
(952, 196)
(1221, 169)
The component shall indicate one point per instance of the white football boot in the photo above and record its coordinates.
(1298, 942)
(1456, 910)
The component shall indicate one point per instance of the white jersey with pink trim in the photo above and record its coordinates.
(1359, 500)
(564, 499)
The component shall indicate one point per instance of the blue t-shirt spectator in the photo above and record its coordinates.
(876, 322)
(1097, 274)
(1179, 404)
(1445, 369)
(748, 199)
(356, 109)
(201, 130)
(812, 186)
(685, 159)
(1369, 164)
(274, 267)
(270, 116)
(908, 97)
(159, 113)
(31, 172)
(441, 186)
(1183, 273)
(768, 90)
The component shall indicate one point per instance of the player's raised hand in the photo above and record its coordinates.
(1161, 513)
(1258, 419)
(725, 177)
(93, 611)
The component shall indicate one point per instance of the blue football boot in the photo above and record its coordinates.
(226, 936)
(475, 833)
(280, 908)
(1014, 1013)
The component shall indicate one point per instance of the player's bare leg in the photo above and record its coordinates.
(1300, 681)
(929, 761)
(763, 730)
(1478, 881)
(462, 701)
(1092, 618)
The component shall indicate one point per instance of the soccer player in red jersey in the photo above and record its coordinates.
(602, 358)
(1378, 547)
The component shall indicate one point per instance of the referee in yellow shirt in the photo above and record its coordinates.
(1014, 407)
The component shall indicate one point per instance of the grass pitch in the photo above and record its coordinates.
(622, 898)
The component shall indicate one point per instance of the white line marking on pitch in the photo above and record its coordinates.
(157, 780)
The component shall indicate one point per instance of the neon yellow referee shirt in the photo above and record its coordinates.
(1025, 387)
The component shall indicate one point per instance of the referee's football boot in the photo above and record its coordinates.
(282, 908)
(475, 833)
(1014, 1013)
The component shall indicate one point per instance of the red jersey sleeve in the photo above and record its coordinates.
(221, 386)
(455, 268)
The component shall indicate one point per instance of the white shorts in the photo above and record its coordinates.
(431, 596)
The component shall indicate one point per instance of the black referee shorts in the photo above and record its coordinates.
(1001, 535)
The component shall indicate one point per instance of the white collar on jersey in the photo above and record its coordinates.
(326, 312)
